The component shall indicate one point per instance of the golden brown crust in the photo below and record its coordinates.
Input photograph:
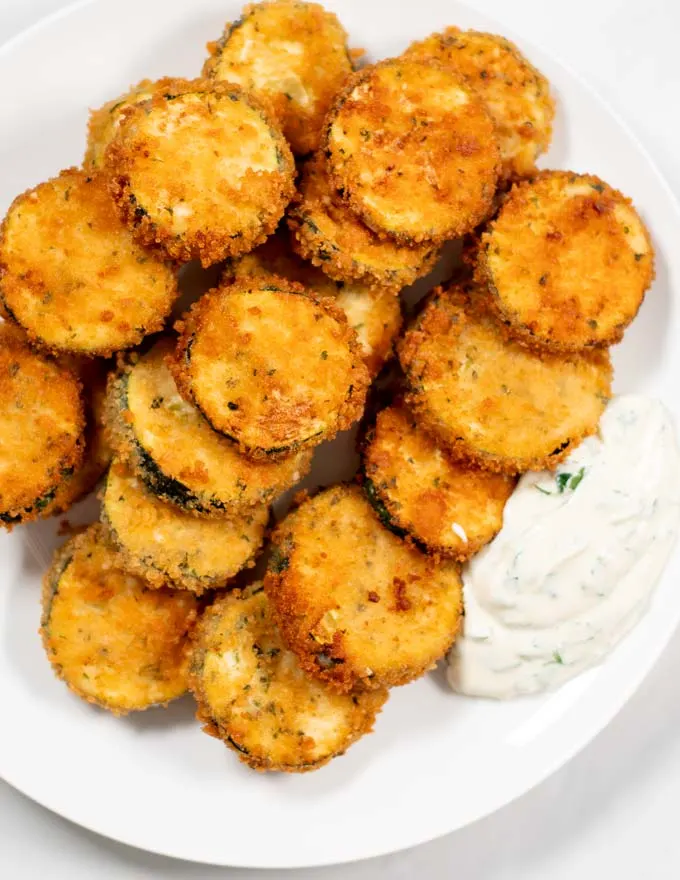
(113, 641)
(233, 361)
(72, 277)
(374, 313)
(172, 448)
(253, 696)
(376, 318)
(358, 606)
(293, 56)
(516, 93)
(97, 456)
(405, 127)
(169, 547)
(43, 428)
(451, 508)
(493, 402)
(328, 234)
(201, 172)
(566, 262)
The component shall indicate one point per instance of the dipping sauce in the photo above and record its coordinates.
(574, 566)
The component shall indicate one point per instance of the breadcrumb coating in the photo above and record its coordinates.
(254, 696)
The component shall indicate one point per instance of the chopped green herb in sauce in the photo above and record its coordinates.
(564, 481)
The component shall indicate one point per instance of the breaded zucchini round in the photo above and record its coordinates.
(357, 605)
(169, 547)
(97, 455)
(516, 94)
(567, 262)
(374, 313)
(175, 452)
(72, 276)
(202, 171)
(104, 122)
(417, 490)
(328, 234)
(292, 55)
(43, 424)
(491, 401)
(375, 316)
(270, 365)
(114, 641)
(414, 151)
(253, 695)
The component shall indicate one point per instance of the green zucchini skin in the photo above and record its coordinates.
(54, 576)
(160, 484)
(378, 505)
(170, 489)
(38, 505)
(373, 495)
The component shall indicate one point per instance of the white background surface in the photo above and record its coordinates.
(612, 812)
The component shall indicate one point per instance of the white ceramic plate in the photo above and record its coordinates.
(436, 762)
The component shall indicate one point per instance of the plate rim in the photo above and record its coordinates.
(591, 729)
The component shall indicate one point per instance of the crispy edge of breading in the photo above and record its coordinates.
(208, 247)
(98, 453)
(14, 336)
(195, 318)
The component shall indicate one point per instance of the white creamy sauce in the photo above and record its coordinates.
(573, 568)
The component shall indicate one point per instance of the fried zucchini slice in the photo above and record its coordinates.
(516, 94)
(43, 424)
(490, 401)
(375, 316)
(357, 605)
(330, 236)
(292, 55)
(413, 150)
(374, 313)
(567, 262)
(104, 122)
(175, 452)
(416, 489)
(271, 366)
(114, 641)
(97, 456)
(169, 547)
(253, 695)
(201, 171)
(72, 276)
